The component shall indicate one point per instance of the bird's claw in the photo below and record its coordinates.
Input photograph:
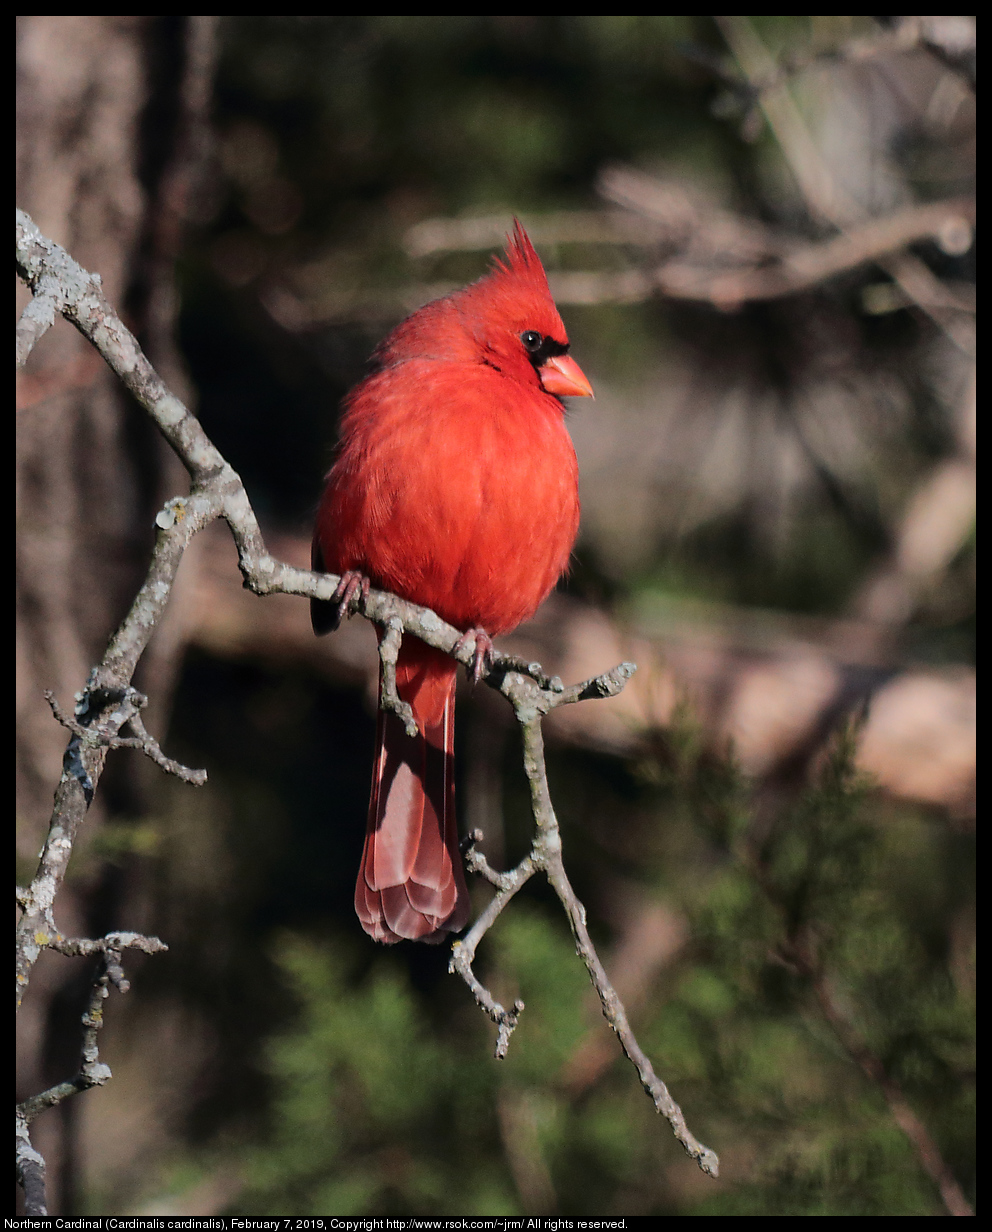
(482, 652)
(344, 596)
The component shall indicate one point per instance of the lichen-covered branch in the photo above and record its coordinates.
(530, 703)
(389, 698)
(105, 705)
(92, 1071)
(550, 855)
(29, 1170)
(143, 741)
(29, 1164)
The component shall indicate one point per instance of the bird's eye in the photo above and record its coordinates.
(531, 339)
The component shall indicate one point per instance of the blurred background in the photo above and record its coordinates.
(759, 231)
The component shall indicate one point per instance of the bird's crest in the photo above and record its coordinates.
(521, 260)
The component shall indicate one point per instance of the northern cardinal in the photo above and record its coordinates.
(455, 486)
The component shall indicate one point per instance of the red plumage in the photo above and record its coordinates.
(456, 487)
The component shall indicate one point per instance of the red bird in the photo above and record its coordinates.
(456, 487)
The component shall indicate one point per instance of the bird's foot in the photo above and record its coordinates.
(344, 596)
(482, 653)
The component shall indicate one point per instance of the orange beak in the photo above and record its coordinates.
(563, 376)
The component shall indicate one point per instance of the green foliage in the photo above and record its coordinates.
(380, 1108)
(826, 904)
(363, 1116)
(378, 1112)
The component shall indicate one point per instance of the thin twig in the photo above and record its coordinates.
(476, 862)
(143, 741)
(612, 1006)
(389, 698)
(530, 704)
(92, 1071)
(616, 1016)
(463, 950)
(29, 1163)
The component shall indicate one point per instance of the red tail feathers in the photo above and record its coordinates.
(410, 883)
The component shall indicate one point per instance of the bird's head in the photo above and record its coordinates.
(507, 320)
(516, 325)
